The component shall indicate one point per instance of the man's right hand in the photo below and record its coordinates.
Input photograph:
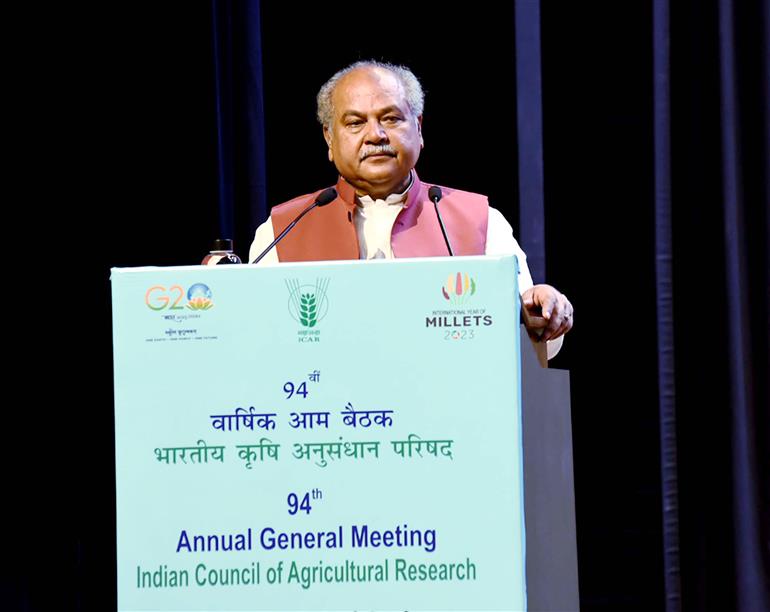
(549, 314)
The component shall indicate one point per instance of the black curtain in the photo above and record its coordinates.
(240, 119)
(719, 211)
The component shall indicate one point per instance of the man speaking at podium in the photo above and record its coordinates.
(371, 115)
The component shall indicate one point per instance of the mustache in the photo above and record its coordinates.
(376, 150)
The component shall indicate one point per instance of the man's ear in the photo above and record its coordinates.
(328, 139)
(419, 131)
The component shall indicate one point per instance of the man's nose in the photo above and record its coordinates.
(375, 133)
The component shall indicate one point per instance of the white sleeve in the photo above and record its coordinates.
(262, 238)
(500, 241)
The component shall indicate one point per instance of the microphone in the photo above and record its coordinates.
(434, 193)
(325, 197)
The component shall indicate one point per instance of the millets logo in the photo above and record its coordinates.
(458, 291)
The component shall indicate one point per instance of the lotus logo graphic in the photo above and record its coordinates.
(199, 297)
(459, 287)
(308, 304)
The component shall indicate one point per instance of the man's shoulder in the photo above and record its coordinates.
(295, 203)
(457, 198)
(455, 192)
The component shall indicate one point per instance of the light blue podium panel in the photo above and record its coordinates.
(343, 436)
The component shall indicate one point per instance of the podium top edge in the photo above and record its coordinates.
(305, 264)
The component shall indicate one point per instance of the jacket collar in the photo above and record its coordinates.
(347, 193)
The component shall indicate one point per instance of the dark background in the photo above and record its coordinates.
(123, 143)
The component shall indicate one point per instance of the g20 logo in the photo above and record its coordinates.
(159, 297)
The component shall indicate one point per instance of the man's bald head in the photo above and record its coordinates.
(413, 93)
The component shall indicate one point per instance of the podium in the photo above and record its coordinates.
(338, 436)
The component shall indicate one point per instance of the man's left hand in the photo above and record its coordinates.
(549, 312)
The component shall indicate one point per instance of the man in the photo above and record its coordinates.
(371, 115)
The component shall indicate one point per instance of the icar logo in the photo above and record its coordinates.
(308, 304)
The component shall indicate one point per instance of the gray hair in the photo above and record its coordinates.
(415, 97)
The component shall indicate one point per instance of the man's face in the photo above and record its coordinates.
(374, 140)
